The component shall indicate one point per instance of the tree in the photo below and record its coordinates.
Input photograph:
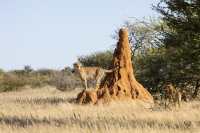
(151, 70)
(142, 34)
(100, 59)
(183, 42)
(28, 69)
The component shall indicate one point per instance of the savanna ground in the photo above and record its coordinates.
(48, 110)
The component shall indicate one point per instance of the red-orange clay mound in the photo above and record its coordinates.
(120, 84)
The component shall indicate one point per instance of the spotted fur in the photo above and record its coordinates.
(91, 72)
(174, 95)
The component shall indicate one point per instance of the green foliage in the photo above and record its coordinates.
(1, 80)
(25, 71)
(44, 72)
(17, 80)
(68, 69)
(28, 69)
(183, 41)
(12, 82)
(155, 70)
(183, 20)
(19, 72)
(98, 59)
(1, 71)
(38, 80)
(151, 70)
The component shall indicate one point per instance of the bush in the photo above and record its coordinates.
(44, 72)
(98, 59)
(155, 70)
(65, 81)
(28, 69)
(16, 80)
(1, 80)
(38, 80)
(151, 71)
(12, 82)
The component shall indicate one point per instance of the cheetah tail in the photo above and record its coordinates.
(109, 71)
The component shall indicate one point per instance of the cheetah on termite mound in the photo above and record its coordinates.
(91, 72)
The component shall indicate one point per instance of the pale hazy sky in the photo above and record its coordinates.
(52, 33)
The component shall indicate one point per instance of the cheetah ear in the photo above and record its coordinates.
(167, 87)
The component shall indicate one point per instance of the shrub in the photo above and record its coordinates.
(16, 80)
(28, 69)
(1, 78)
(65, 81)
(38, 80)
(45, 72)
(67, 69)
(11, 82)
(99, 59)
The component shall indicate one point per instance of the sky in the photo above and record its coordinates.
(51, 34)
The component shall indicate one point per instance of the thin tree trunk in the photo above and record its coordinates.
(196, 88)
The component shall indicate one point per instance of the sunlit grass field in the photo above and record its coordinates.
(48, 110)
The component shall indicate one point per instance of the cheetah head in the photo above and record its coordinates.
(77, 65)
(169, 87)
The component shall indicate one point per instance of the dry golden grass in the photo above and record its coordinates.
(48, 110)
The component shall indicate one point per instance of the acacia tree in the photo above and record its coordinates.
(100, 59)
(142, 34)
(183, 42)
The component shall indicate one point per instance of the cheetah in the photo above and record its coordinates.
(174, 95)
(91, 72)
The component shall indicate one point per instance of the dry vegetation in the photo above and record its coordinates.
(48, 110)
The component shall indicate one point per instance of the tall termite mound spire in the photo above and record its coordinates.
(120, 84)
